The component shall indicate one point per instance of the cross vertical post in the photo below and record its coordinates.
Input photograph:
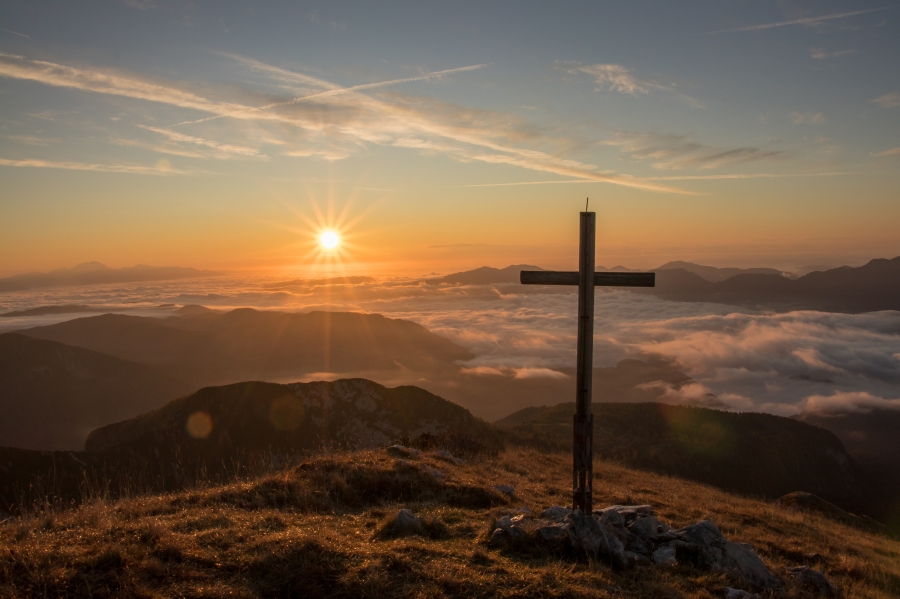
(586, 279)
(583, 442)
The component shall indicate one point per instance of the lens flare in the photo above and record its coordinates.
(329, 240)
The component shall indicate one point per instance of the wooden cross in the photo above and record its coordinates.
(586, 279)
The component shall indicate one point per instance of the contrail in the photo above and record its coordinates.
(16, 33)
(800, 21)
(670, 178)
(339, 91)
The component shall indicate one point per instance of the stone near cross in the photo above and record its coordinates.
(586, 279)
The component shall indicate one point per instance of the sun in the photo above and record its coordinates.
(329, 240)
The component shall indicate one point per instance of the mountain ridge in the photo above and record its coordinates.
(95, 273)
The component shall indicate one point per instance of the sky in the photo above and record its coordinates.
(439, 137)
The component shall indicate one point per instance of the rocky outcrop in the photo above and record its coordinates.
(624, 535)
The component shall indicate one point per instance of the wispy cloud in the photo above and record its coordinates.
(48, 73)
(685, 177)
(162, 168)
(678, 152)
(15, 33)
(350, 120)
(808, 118)
(618, 78)
(804, 21)
(822, 53)
(222, 150)
(844, 402)
(891, 152)
(623, 80)
(33, 140)
(334, 91)
(891, 100)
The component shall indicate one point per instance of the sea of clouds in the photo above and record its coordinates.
(752, 360)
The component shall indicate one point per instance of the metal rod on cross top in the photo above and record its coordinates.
(586, 279)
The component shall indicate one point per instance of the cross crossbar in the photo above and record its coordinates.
(601, 279)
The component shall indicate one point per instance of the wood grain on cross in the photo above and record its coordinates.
(586, 279)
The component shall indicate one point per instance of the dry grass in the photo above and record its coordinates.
(317, 530)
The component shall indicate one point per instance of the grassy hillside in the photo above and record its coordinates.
(751, 453)
(218, 433)
(318, 530)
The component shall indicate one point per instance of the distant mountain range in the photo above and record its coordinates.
(713, 274)
(45, 310)
(489, 276)
(755, 454)
(874, 286)
(52, 395)
(93, 273)
(207, 347)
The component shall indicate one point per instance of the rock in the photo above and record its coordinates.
(516, 533)
(644, 527)
(433, 472)
(664, 555)
(406, 522)
(402, 451)
(715, 552)
(554, 533)
(505, 522)
(447, 456)
(731, 593)
(518, 519)
(505, 489)
(586, 533)
(815, 580)
(628, 512)
(612, 518)
(499, 538)
(556, 513)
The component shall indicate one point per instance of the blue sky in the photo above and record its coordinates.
(212, 133)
